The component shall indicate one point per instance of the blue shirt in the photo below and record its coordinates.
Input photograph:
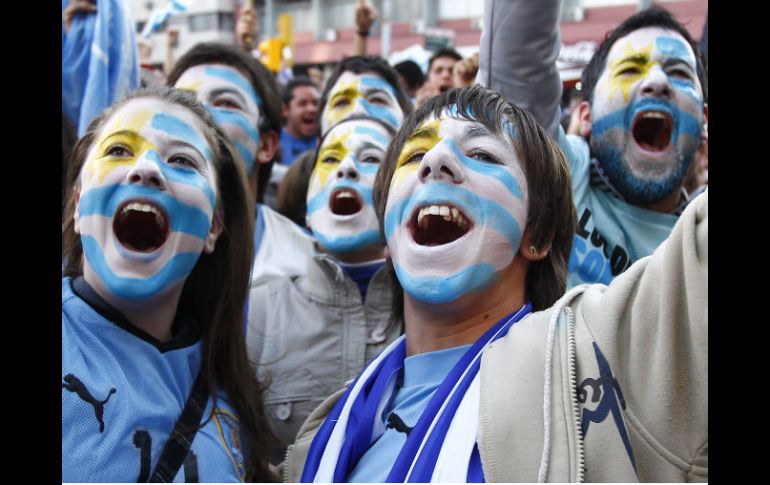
(362, 273)
(292, 147)
(422, 375)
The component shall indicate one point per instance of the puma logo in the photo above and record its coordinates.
(395, 422)
(73, 384)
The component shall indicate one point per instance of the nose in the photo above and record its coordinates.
(656, 84)
(440, 164)
(146, 171)
(347, 169)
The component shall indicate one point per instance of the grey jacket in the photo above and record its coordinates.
(310, 334)
(622, 371)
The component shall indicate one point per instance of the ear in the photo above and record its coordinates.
(705, 129)
(268, 145)
(285, 110)
(584, 115)
(217, 224)
(529, 251)
(76, 215)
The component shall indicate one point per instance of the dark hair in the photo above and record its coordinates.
(292, 192)
(654, 16)
(287, 94)
(551, 218)
(444, 52)
(361, 65)
(264, 83)
(411, 72)
(68, 139)
(222, 276)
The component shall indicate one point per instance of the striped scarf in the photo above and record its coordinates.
(442, 444)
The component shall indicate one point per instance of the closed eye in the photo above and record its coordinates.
(415, 157)
(340, 102)
(483, 156)
(120, 151)
(227, 104)
(182, 160)
(378, 99)
(330, 160)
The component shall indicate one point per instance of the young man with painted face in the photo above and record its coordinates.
(641, 125)
(156, 236)
(364, 85)
(498, 378)
(244, 100)
(311, 334)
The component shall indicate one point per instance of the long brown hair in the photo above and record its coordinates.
(216, 289)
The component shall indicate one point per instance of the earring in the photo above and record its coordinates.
(532, 250)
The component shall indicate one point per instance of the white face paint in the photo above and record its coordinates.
(147, 200)
(647, 113)
(364, 94)
(456, 209)
(232, 102)
(339, 197)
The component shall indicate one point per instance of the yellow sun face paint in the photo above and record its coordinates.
(424, 138)
(347, 91)
(633, 66)
(335, 149)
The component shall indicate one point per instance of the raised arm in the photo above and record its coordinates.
(519, 46)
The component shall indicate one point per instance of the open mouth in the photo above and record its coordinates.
(652, 130)
(140, 226)
(345, 202)
(444, 88)
(309, 121)
(434, 225)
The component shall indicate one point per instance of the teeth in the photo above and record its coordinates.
(455, 213)
(446, 212)
(139, 207)
(434, 210)
(654, 114)
(346, 195)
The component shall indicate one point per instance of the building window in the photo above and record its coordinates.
(211, 21)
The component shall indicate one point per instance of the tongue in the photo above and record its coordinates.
(139, 231)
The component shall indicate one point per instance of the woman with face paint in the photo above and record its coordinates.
(157, 239)
(501, 377)
(313, 333)
(243, 98)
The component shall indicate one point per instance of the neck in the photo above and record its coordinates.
(369, 253)
(154, 316)
(666, 204)
(294, 133)
(432, 327)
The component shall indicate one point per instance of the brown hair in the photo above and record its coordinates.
(292, 192)
(222, 276)
(551, 217)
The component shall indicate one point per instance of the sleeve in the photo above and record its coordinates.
(520, 42)
(652, 325)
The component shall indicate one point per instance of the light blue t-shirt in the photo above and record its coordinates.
(423, 374)
(611, 234)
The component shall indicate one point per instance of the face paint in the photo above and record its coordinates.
(232, 102)
(647, 113)
(366, 94)
(339, 199)
(147, 199)
(456, 209)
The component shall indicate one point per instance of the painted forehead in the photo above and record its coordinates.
(159, 121)
(364, 82)
(652, 43)
(211, 76)
(450, 124)
(353, 133)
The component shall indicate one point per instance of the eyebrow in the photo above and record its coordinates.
(476, 130)
(676, 61)
(234, 92)
(636, 59)
(127, 133)
(334, 146)
(368, 144)
(426, 133)
(345, 92)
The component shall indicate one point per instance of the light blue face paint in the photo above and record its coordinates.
(444, 289)
(375, 134)
(223, 118)
(237, 79)
(684, 123)
(182, 217)
(137, 288)
(688, 88)
(347, 244)
(482, 211)
(381, 112)
(673, 47)
(375, 82)
(179, 129)
(488, 169)
(183, 175)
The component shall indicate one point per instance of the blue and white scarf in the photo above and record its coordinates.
(442, 445)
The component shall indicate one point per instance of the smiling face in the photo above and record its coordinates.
(147, 200)
(646, 114)
(364, 94)
(456, 209)
(339, 198)
(232, 102)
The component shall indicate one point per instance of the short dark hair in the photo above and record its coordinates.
(551, 218)
(287, 94)
(444, 52)
(261, 79)
(654, 16)
(410, 71)
(292, 191)
(361, 65)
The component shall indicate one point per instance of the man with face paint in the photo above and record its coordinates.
(500, 376)
(245, 102)
(152, 297)
(311, 334)
(641, 124)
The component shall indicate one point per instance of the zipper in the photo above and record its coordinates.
(285, 473)
(571, 362)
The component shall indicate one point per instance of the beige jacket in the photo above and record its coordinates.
(650, 326)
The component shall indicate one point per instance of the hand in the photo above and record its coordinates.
(464, 72)
(75, 7)
(246, 28)
(173, 38)
(366, 14)
(425, 92)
